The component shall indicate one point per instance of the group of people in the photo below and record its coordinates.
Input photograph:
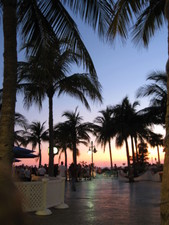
(25, 173)
(74, 173)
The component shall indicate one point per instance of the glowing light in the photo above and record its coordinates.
(55, 150)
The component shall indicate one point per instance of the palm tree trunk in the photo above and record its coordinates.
(65, 157)
(111, 162)
(40, 155)
(133, 154)
(127, 153)
(65, 161)
(135, 140)
(164, 210)
(158, 154)
(130, 171)
(9, 82)
(74, 148)
(51, 155)
(74, 154)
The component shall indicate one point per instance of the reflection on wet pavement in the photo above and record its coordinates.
(107, 202)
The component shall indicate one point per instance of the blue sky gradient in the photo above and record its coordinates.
(121, 67)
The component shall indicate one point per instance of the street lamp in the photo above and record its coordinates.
(92, 150)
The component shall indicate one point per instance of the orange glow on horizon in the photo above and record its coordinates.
(100, 158)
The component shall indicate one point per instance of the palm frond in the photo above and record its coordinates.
(150, 20)
(95, 13)
(35, 29)
(79, 86)
(123, 15)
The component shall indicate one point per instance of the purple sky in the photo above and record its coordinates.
(121, 69)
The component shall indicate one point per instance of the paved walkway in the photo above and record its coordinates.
(106, 202)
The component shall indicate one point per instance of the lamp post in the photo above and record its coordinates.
(92, 150)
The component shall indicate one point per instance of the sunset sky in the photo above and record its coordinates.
(122, 68)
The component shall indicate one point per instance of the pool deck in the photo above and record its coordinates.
(106, 201)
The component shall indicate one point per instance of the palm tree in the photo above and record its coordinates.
(47, 74)
(39, 22)
(62, 138)
(132, 124)
(121, 114)
(104, 130)
(10, 79)
(158, 104)
(129, 123)
(141, 125)
(20, 121)
(156, 140)
(36, 133)
(139, 18)
(149, 16)
(158, 93)
(78, 131)
(143, 153)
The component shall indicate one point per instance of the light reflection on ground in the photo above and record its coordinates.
(119, 202)
(106, 202)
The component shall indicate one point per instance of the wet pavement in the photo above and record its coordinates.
(106, 201)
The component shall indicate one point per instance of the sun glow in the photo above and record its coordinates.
(101, 158)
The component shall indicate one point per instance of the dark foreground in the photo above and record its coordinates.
(106, 202)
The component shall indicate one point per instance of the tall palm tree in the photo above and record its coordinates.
(10, 79)
(47, 74)
(121, 114)
(104, 130)
(149, 16)
(141, 125)
(41, 21)
(129, 123)
(156, 140)
(36, 133)
(62, 138)
(158, 93)
(78, 131)
(143, 153)
(158, 104)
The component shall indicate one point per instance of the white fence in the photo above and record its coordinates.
(39, 196)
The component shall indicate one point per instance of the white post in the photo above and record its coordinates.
(44, 211)
(62, 205)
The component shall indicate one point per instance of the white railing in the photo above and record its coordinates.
(39, 196)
